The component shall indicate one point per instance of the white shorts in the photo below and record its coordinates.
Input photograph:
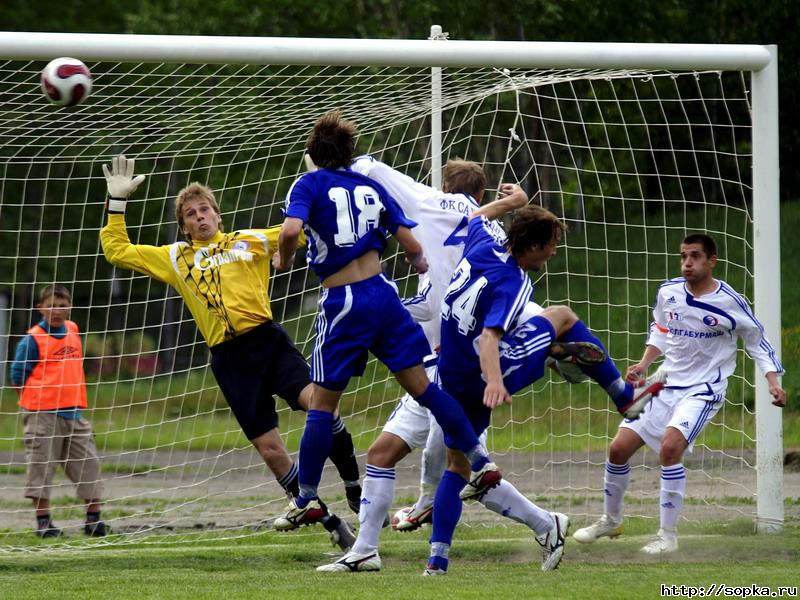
(410, 422)
(413, 423)
(687, 410)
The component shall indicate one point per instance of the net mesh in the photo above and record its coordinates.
(632, 161)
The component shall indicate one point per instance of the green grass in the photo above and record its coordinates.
(493, 562)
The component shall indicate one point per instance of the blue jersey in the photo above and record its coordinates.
(345, 215)
(488, 289)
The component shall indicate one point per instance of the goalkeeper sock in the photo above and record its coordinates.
(376, 500)
(450, 416)
(507, 500)
(343, 455)
(93, 517)
(673, 486)
(289, 482)
(315, 446)
(447, 507)
(615, 484)
(605, 373)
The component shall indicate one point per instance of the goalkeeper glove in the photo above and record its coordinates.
(120, 182)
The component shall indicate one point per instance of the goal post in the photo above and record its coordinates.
(633, 144)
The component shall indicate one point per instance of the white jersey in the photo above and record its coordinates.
(442, 232)
(698, 334)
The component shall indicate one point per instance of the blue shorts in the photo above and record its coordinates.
(366, 316)
(523, 352)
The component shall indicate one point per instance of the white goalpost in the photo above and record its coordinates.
(633, 145)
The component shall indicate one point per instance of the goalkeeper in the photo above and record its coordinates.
(224, 281)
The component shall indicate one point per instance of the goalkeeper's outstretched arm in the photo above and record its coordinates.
(117, 247)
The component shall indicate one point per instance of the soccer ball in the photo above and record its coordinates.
(400, 515)
(66, 81)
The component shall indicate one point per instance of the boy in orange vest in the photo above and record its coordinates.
(48, 369)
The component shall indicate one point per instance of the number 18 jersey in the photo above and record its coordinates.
(344, 214)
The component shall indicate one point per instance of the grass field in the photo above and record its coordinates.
(486, 562)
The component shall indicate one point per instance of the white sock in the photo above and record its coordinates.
(614, 486)
(377, 493)
(434, 460)
(673, 486)
(506, 500)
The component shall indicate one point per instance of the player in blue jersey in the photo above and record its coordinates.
(487, 354)
(442, 217)
(346, 217)
(697, 321)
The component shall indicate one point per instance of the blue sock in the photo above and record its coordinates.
(451, 418)
(606, 373)
(447, 508)
(315, 446)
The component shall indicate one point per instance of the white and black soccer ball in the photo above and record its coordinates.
(400, 515)
(66, 81)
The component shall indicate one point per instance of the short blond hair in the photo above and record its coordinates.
(463, 177)
(194, 191)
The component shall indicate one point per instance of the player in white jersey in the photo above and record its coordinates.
(443, 218)
(696, 322)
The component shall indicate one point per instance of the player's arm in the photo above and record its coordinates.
(637, 372)
(655, 346)
(288, 240)
(412, 248)
(26, 357)
(117, 247)
(761, 350)
(406, 191)
(495, 393)
(511, 197)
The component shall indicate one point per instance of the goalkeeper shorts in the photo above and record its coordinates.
(252, 367)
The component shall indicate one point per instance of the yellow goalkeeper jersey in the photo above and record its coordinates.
(224, 281)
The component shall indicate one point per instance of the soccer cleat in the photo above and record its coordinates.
(294, 517)
(353, 562)
(603, 527)
(664, 543)
(432, 571)
(353, 495)
(481, 482)
(96, 529)
(650, 388)
(50, 531)
(553, 542)
(411, 518)
(582, 353)
(343, 536)
(569, 371)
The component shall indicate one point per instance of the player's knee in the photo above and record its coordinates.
(561, 316)
(619, 452)
(386, 451)
(670, 453)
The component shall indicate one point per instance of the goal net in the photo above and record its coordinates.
(632, 160)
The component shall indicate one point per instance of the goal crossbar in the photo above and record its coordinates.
(365, 52)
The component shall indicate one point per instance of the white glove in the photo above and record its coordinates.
(120, 182)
